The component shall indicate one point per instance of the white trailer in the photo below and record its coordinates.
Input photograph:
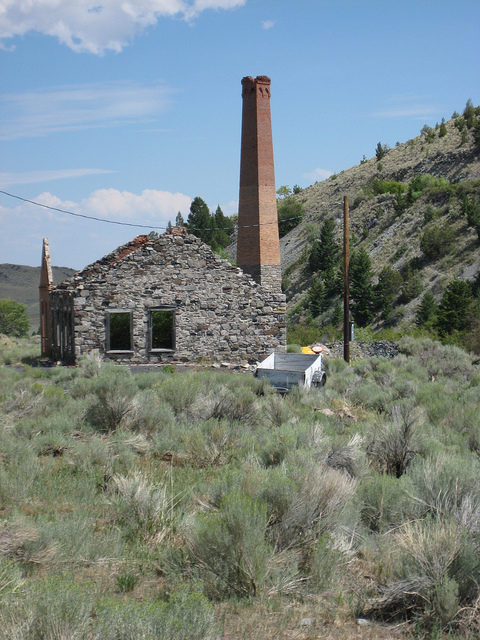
(287, 370)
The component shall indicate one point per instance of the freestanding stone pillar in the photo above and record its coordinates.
(46, 284)
(258, 246)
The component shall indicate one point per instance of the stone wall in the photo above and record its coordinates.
(220, 312)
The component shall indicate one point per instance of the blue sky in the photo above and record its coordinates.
(128, 109)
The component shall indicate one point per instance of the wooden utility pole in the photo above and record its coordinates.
(346, 281)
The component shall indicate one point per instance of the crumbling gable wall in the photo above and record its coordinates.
(219, 312)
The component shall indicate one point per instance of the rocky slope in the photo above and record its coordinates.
(393, 238)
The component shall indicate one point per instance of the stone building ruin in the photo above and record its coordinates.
(169, 298)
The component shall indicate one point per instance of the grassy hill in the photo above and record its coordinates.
(389, 218)
(20, 283)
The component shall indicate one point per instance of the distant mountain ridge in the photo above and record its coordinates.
(20, 283)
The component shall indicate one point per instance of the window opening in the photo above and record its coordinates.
(162, 329)
(120, 331)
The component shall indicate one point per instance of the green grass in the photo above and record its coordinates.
(158, 505)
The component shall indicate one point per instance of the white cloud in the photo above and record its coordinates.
(318, 174)
(30, 177)
(268, 24)
(150, 207)
(69, 108)
(77, 241)
(96, 25)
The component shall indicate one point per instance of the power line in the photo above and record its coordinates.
(126, 224)
(79, 215)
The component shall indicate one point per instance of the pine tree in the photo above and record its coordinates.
(426, 310)
(337, 315)
(469, 113)
(179, 221)
(476, 135)
(361, 287)
(316, 297)
(455, 307)
(472, 211)
(387, 289)
(220, 228)
(443, 129)
(412, 286)
(325, 251)
(381, 150)
(199, 222)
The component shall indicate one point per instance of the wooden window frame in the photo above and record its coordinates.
(151, 311)
(109, 313)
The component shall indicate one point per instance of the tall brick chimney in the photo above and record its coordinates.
(258, 246)
(46, 284)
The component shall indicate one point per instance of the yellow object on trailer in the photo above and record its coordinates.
(308, 351)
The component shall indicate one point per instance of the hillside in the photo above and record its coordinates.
(20, 283)
(390, 229)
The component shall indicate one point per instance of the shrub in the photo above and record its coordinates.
(185, 616)
(438, 359)
(11, 578)
(443, 556)
(228, 547)
(316, 508)
(445, 486)
(51, 609)
(387, 186)
(290, 214)
(393, 447)
(25, 543)
(13, 318)
(180, 396)
(142, 507)
(428, 132)
(384, 501)
(113, 407)
(238, 405)
(325, 564)
(437, 241)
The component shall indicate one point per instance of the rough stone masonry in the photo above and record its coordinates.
(219, 312)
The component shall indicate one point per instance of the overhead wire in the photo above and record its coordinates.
(129, 224)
